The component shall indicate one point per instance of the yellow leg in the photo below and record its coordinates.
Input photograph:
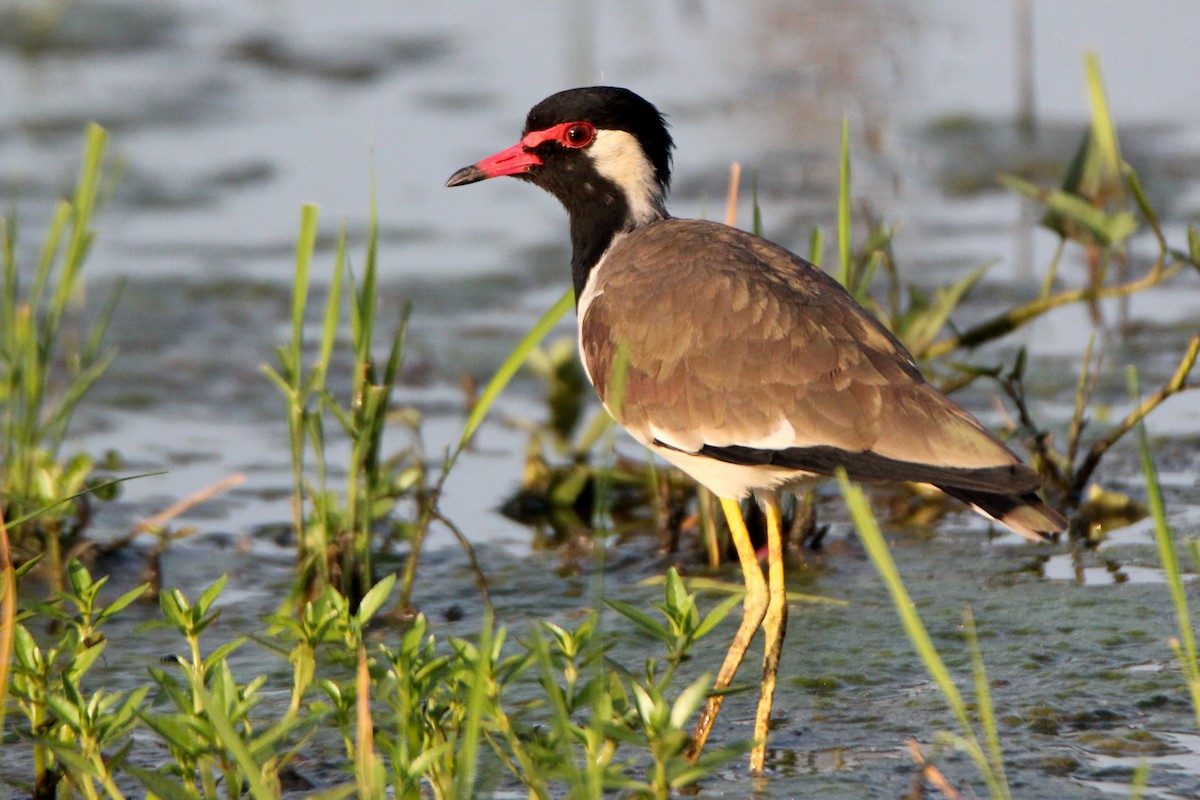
(754, 608)
(774, 627)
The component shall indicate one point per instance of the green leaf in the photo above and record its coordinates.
(162, 786)
(714, 617)
(122, 601)
(843, 217)
(79, 578)
(428, 757)
(333, 793)
(231, 741)
(641, 619)
(71, 758)
(66, 711)
(920, 331)
(187, 733)
(677, 597)
(374, 599)
(210, 594)
(84, 659)
(646, 705)
(25, 647)
(1109, 230)
(24, 569)
(223, 651)
(513, 363)
(563, 637)
(1103, 129)
(1143, 204)
(689, 701)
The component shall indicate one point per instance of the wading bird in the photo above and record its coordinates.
(740, 363)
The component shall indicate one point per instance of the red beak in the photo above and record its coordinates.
(516, 160)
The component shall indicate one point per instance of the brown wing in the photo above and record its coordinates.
(734, 345)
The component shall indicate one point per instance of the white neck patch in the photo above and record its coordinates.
(618, 157)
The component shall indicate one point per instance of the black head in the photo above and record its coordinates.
(590, 147)
(609, 108)
(604, 152)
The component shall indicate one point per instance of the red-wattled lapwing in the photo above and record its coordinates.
(742, 364)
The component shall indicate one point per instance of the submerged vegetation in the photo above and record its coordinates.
(392, 705)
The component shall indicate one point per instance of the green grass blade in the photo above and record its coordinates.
(12, 523)
(81, 235)
(365, 307)
(816, 246)
(1109, 229)
(843, 215)
(305, 244)
(1102, 126)
(163, 786)
(1137, 783)
(84, 204)
(396, 354)
(334, 793)
(333, 314)
(1134, 184)
(223, 728)
(54, 237)
(95, 337)
(1082, 394)
(877, 550)
(513, 363)
(1186, 649)
(872, 538)
(467, 759)
(983, 699)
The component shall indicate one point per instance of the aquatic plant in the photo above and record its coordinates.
(334, 530)
(49, 360)
(68, 726)
(1184, 646)
(1091, 210)
(413, 715)
(978, 738)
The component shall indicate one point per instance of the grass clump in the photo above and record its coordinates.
(335, 530)
(48, 362)
(402, 715)
(70, 728)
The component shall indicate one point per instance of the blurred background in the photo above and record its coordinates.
(228, 115)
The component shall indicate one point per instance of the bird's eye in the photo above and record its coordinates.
(580, 134)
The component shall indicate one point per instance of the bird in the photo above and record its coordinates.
(737, 361)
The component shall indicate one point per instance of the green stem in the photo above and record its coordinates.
(1010, 320)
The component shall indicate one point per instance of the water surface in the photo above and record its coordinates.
(228, 115)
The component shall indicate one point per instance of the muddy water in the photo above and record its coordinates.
(228, 115)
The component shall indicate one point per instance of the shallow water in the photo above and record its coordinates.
(229, 115)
